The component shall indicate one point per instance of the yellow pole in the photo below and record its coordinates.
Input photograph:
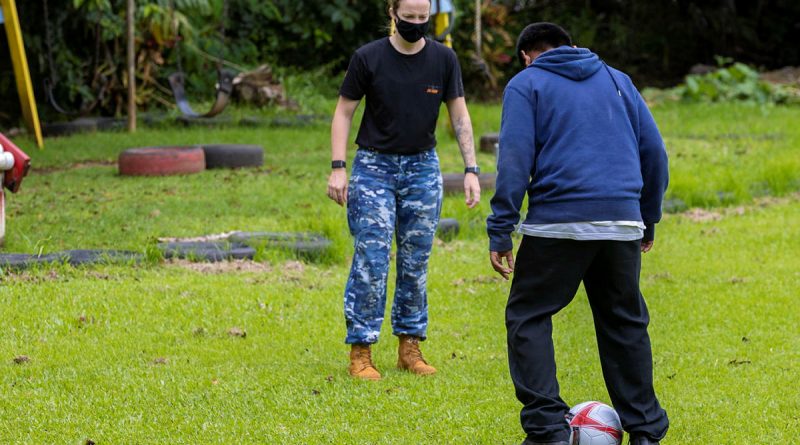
(21, 72)
(441, 23)
(130, 17)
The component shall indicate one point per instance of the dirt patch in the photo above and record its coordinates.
(237, 332)
(483, 279)
(74, 166)
(294, 266)
(31, 277)
(788, 75)
(702, 215)
(222, 266)
(710, 215)
(768, 201)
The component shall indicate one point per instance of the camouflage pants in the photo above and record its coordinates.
(388, 195)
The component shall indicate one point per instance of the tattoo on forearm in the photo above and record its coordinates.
(466, 143)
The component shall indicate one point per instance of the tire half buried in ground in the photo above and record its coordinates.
(448, 229)
(19, 261)
(489, 142)
(55, 129)
(233, 156)
(454, 182)
(307, 245)
(211, 252)
(161, 161)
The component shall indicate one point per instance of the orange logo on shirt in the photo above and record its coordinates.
(432, 89)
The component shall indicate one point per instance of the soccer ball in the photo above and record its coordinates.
(595, 423)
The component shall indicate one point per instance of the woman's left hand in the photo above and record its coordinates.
(472, 190)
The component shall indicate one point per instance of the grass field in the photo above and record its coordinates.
(144, 353)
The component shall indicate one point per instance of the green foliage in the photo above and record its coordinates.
(655, 42)
(195, 35)
(737, 82)
(305, 33)
(486, 71)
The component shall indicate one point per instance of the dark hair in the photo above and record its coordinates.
(541, 36)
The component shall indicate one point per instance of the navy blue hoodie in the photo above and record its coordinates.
(577, 136)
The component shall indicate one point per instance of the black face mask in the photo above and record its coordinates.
(412, 32)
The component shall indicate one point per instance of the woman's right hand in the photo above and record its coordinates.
(337, 186)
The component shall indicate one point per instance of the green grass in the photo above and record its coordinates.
(722, 296)
(727, 154)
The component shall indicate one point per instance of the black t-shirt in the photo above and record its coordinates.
(404, 94)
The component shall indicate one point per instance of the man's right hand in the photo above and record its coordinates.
(497, 262)
(337, 186)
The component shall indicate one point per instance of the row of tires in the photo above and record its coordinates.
(164, 161)
(235, 246)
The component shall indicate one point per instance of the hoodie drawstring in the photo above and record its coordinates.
(613, 79)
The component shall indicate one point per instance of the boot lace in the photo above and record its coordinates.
(364, 357)
(414, 353)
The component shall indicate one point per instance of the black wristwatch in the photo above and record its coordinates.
(338, 164)
(476, 170)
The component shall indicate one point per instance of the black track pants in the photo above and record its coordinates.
(547, 274)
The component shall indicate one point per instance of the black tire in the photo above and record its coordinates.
(211, 252)
(21, 261)
(250, 121)
(81, 257)
(487, 180)
(301, 120)
(102, 123)
(448, 229)
(673, 205)
(290, 122)
(16, 261)
(218, 121)
(304, 244)
(454, 182)
(154, 120)
(489, 142)
(57, 129)
(233, 156)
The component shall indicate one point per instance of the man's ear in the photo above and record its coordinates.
(526, 58)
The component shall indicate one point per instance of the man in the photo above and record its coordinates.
(577, 136)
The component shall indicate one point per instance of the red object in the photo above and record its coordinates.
(12, 179)
(161, 161)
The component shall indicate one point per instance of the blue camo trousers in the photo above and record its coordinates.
(391, 194)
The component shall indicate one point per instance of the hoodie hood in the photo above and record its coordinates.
(572, 63)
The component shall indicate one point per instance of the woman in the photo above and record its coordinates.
(396, 185)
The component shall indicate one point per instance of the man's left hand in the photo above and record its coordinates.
(497, 262)
(472, 190)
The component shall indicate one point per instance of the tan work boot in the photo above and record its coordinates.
(361, 365)
(410, 357)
